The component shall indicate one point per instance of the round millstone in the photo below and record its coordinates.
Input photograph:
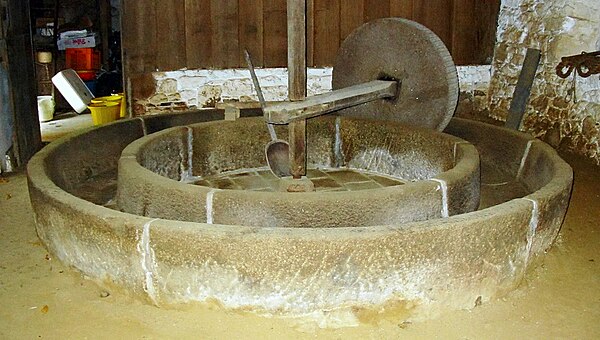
(400, 49)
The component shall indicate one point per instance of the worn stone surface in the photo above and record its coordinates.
(462, 192)
(441, 174)
(538, 173)
(331, 275)
(167, 155)
(77, 164)
(289, 184)
(323, 179)
(338, 275)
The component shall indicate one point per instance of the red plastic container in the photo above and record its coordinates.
(81, 59)
(87, 75)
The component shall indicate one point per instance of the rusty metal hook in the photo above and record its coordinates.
(585, 64)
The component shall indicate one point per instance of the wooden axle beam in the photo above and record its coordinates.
(287, 112)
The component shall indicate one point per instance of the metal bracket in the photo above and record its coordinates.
(585, 63)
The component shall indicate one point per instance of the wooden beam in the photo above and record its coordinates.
(401, 8)
(284, 113)
(518, 103)
(296, 11)
(310, 33)
(297, 141)
(170, 35)
(351, 16)
(296, 56)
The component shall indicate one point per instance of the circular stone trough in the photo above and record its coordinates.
(334, 275)
(439, 175)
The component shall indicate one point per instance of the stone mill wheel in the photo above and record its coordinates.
(400, 49)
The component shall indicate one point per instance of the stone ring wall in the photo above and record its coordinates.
(323, 273)
(441, 171)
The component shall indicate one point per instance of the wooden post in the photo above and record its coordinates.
(297, 135)
(296, 12)
(296, 20)
(518, 104)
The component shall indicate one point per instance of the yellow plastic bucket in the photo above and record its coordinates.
(120, 98)
(123, 104)
(104, 112)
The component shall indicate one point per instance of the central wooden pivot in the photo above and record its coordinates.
(297, 83)
(378, 74)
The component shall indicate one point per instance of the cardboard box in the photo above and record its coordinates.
(80, 42)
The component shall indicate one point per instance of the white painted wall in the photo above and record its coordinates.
(202, 88)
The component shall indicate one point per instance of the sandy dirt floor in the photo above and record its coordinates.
(41, 298)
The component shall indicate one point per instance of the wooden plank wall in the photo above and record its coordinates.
(16, 56)
(174, 34)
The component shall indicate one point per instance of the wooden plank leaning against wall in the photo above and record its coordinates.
(164, 35)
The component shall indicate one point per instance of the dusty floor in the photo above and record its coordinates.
(40, 298)
(63, 124)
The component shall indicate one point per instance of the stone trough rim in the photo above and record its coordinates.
(463, 155)
(41, 181)
(35, 174)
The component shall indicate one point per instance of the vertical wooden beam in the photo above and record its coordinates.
(464, 35)
(296, 56)
(297, 136)
(138, 46)
(17, 59)
(437, 16)
(138, 22)
(486, 22)
(518, 103)
(55, 37)
(310, 33)
(296, 23)
(105, 29)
